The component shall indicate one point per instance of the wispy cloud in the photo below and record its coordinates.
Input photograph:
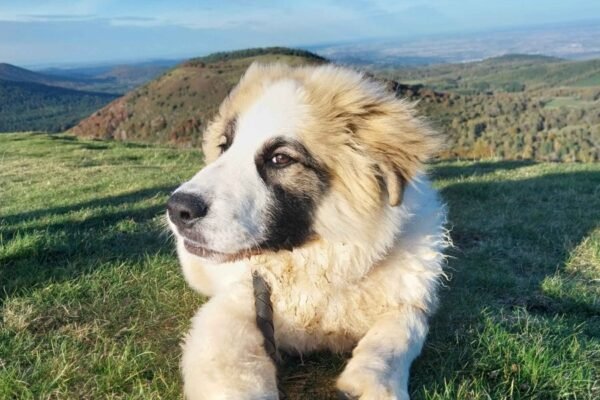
(131, 18)
(134, 21)
(54, 17)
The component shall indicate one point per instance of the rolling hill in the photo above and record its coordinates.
(175, 107)
(508, 73)
(12, 73)
(28, 106)
(57, 100)
(115, 78)
(509, 107)
(515, 107)
(111, 78)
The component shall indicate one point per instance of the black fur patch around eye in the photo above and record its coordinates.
(296, 190)
(291, 219)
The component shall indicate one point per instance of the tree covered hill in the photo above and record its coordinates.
(28, 106)
(510, 107)
(175, 107)
(12, 73)
(557, 125)
(38, 101)
(9, 72)
(515, 107)
(114, 78)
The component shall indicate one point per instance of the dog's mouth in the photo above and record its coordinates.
(203, 252)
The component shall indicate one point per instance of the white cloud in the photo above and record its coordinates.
(54, 17)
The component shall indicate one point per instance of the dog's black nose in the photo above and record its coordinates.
(186, 208)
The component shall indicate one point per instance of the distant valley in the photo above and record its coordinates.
(34, 101)
(578, 41)
(113, 78)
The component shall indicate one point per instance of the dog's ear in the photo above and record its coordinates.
(397, 140)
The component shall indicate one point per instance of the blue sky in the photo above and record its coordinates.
(60, 31)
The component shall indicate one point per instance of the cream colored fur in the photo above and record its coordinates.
(366, 283)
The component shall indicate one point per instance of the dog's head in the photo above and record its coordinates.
(298, 154)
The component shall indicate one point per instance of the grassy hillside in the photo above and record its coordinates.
(175, 107)
(93, 304)
(32, 106)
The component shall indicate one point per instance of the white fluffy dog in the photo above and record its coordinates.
(314, 182)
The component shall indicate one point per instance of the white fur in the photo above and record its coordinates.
(351, 289)
(333, 299)
(237, 213)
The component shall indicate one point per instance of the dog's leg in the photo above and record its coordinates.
(223, 354)
(380, 363)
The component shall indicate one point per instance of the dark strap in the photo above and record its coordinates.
(345, 396)
(264, 321)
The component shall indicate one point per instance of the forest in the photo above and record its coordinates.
(510, 107)
(28, 106)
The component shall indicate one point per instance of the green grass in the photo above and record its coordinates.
(93, 304)
(591, 80)
(569, 102)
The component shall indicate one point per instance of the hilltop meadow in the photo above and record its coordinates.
(93, 304)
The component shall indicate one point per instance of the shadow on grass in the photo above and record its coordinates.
(63, 139)
(509, 236)
(64, 247)
(118, 200)
(95, 143)
(16, 138)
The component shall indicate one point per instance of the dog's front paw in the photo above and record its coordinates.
(364, 384)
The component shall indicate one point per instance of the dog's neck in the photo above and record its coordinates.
(338, 263)
(339, 259)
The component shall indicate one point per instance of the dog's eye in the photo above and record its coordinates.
(281, 160)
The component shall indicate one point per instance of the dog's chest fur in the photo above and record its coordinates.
(317, 305)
